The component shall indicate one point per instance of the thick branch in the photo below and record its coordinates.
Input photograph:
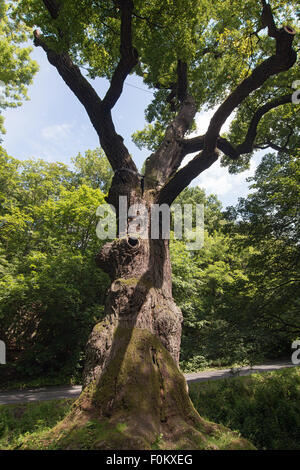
(129, 55)
(197, 143)
(72, 76)
(267, 19)
(201, 162)
(101, 119)
(98, 111)
(182, 80)
(185, 175)
(247, 145)
(178, 89)
(53, 8)
(165, 161)
(282, 60)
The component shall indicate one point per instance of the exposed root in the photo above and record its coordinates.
(140, 402)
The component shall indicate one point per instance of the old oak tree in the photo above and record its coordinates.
(193, 54)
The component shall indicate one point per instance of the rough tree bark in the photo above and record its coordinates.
(140, 296)
(131, 376)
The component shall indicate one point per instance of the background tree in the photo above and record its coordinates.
(268, 220)
(238, 294)
(16, 66)
(194, 54)
(93, 169)
(50, 298)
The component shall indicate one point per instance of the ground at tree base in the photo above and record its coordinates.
(140, 403)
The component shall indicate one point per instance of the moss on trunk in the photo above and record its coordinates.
(134, 395)
(140, 402)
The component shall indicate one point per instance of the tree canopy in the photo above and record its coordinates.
(195, 55)
(238, 294)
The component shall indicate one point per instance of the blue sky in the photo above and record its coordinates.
(54, 126)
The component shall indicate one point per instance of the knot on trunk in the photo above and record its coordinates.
(119, 257)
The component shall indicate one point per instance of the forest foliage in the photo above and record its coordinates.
(238, 294)
(264, 408)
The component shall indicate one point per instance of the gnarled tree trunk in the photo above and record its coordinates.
(140, 297)
(135, 396)
(132, 356)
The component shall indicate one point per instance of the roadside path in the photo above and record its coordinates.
(52, 393)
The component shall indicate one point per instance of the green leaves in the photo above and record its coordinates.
(269, 219)
(217, 43)
(221, 42)
(50, 292)
(94, 169)
(239, 293)
(16, 66)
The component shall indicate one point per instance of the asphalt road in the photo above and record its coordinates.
(52, 393)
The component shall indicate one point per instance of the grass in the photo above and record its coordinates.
(18, 422)
(264, 408)
(29, 426)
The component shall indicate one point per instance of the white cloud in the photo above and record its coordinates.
(215, 180)
(203, 120)
(61, 142)
(228, 187)
(57, 132)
